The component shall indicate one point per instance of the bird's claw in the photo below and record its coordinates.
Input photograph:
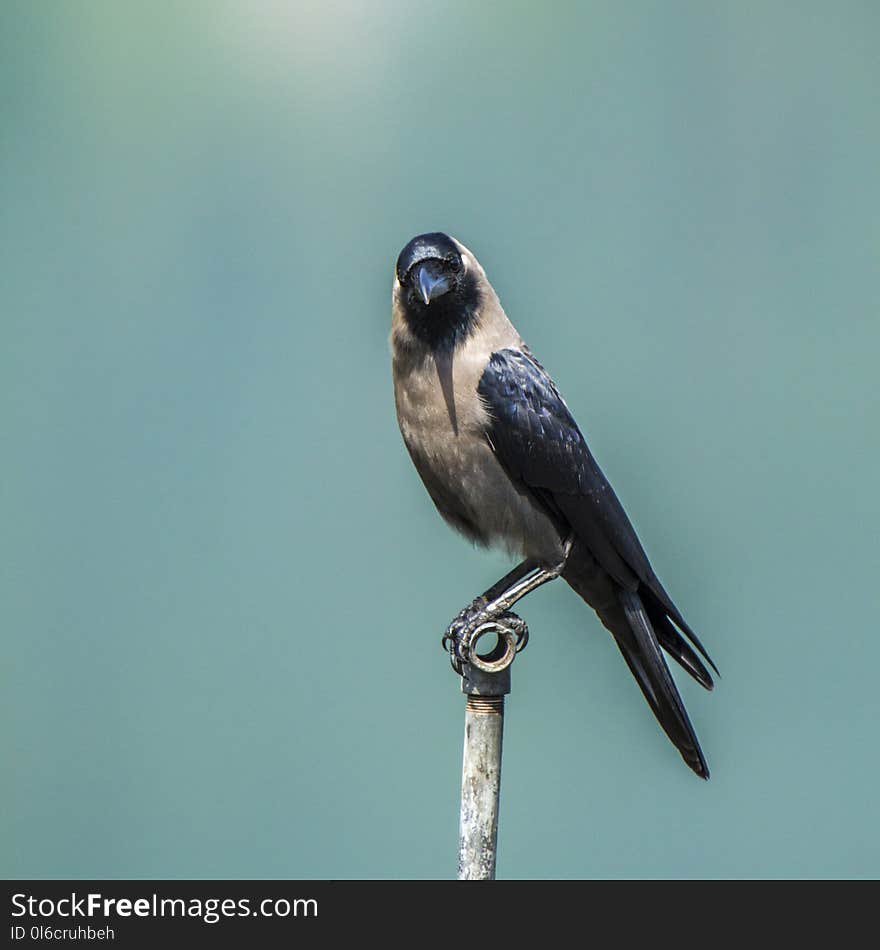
(522, 632)
(459, 634)
(472, 622)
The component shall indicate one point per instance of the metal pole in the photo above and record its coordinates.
(485, 680)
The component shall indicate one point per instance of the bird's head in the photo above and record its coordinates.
(437, 288)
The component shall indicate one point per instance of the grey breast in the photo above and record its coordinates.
(444, 425)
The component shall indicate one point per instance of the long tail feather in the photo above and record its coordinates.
(639, 644)
(641, 624)
(656, 597)
(676, 646)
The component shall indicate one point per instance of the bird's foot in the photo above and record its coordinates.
(476, 620)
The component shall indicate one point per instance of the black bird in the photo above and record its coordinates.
(505, 464)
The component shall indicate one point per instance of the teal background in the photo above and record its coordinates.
(222, 585)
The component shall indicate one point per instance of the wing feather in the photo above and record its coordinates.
(537, 440)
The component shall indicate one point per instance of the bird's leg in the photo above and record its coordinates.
(493, 607)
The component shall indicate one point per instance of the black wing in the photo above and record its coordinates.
(538, 442)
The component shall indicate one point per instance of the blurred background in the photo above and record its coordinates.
(222, 585)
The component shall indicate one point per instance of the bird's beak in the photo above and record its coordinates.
(432, 282)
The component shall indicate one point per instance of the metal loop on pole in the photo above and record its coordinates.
(504, 652)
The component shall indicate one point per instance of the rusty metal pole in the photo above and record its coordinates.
(485, 680)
